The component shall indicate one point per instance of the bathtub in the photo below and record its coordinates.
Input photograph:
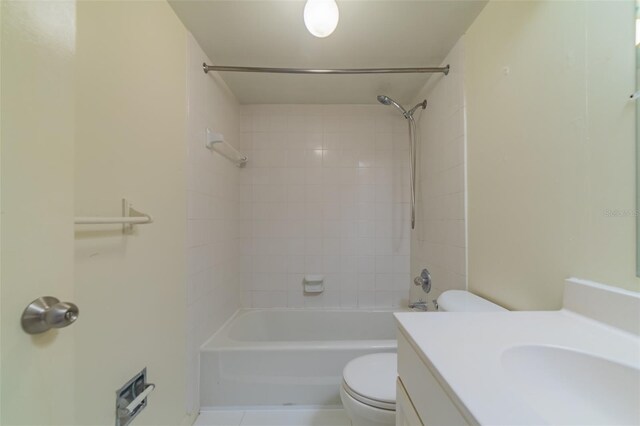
(288, 357)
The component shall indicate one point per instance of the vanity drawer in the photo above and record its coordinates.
(431, 402)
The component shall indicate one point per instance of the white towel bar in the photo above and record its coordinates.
(98, 220)
(130, 217)
(214, 138)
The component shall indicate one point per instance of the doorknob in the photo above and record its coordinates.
(46, 313)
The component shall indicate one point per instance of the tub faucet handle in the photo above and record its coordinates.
(423, 280)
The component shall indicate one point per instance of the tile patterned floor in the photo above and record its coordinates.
(274, 417)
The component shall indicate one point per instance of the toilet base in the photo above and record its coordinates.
(366, 415)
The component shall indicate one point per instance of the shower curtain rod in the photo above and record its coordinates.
(445, 70)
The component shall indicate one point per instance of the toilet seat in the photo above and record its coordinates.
(371, 380)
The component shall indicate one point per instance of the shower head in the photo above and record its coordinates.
(385, 100)
(408, 115)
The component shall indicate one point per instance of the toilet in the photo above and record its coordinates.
(368, 389)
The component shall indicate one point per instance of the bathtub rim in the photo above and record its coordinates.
(220, 341)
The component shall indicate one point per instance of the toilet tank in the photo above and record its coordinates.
(463, 301)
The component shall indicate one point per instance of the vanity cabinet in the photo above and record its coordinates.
(406, 414)
(420, 399)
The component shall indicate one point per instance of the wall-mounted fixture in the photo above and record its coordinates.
(214, 139)
(420, 306)
(46, 313)
(423, 280)
(319, 71)
(413, 142)
(131, 398)
(321, 17)
(130, 217)
(313, 283)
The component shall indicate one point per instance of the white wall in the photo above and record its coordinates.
(213, 292)
(130, 142)
(439, 241)
(325, 192)
(551, 149)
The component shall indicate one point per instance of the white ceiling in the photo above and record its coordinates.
(370, 34)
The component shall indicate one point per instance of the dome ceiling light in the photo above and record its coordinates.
(321, 17)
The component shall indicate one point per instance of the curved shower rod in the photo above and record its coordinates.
(444, 70)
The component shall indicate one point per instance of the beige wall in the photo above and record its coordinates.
(130, 142)
(213, 293)
(438, 242)
(551, 149)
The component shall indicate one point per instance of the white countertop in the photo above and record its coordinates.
(465, 350)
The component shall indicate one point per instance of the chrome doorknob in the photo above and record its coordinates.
(46, 313)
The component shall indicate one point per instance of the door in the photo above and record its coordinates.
(36, 200)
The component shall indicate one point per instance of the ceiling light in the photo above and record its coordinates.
(321, 17)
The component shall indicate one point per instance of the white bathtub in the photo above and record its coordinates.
(288, 357)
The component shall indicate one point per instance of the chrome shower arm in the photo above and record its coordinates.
(422, 105)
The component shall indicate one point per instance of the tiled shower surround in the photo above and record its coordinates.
(326, 191)
(439, 240)
(212, 211)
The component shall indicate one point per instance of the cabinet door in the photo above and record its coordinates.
(431, 401)
(405, 413)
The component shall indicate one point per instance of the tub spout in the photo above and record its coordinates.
(420, 305)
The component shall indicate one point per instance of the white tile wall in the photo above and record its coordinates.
(212, 212)
(439, 240)
(325, 192)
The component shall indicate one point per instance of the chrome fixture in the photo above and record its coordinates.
(385, 100)
(131, 398)
(46, 313)
(415, 70)
(420, 305)
(423, 280)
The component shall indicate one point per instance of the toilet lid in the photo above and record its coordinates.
(374, 378)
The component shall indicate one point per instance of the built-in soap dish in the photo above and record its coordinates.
(313, 284)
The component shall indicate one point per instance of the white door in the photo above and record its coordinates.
(36, 200)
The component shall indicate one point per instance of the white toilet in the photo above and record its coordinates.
(368, 390)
